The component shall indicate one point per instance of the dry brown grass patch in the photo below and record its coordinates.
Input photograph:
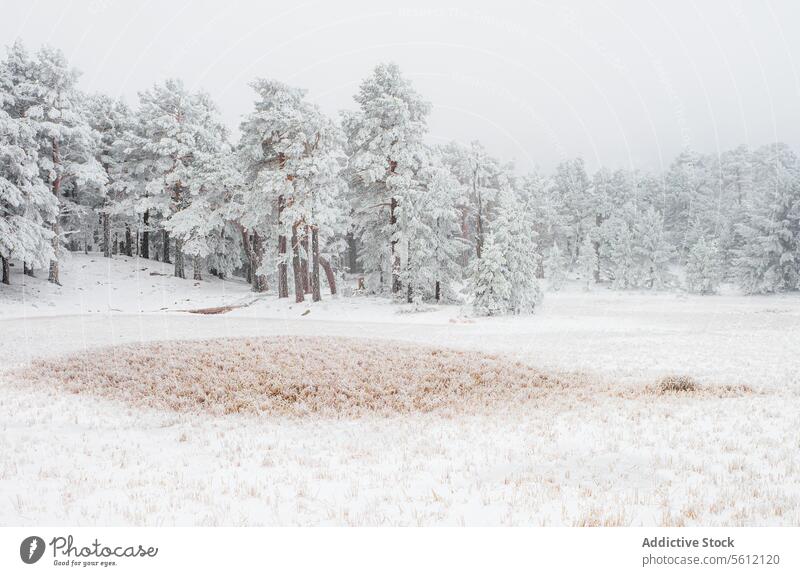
(674, 383)
(293, 376)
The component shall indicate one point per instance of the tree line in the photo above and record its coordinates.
(301, 197)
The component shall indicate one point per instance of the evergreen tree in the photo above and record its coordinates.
(175, 133)
(46, 94)
(481, 176)
(386, 151)
(111, 119)
(652, 250)
(490, 286)
(704, 267)
(293, 157)
(588, 261)
(27, 207)
(766, 259)
(556, 267)
(513, 233)
(617, 252)
(572, 185)
(430, 220)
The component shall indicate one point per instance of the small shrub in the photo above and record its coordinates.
(677, 384)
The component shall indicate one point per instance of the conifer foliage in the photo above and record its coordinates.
(300, 194)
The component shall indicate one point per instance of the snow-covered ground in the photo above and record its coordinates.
(592, 456)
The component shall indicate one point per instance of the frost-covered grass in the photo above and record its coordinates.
(290, 376)
(608, 448)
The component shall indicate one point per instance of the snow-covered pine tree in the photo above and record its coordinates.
(617, 252)
(608, 191)
(513, 234)
(556, 267)
(292, 156)
(175, 132)
(430, 220)
(112, 119)
(384, 138)
(736, 182)
(67, 144)
(204, 227)
(490, 286)
(572, 185)
(704, 267)
(694, 201)
(481, 176)
(543, 207)
(766, 259)
(588, 260)
(27, 207)
(652, 250)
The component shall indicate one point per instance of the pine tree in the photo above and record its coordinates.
(385, 152)
(766, 259)
(430, 220)
(111, 119)
(175, 133)
(556, 267)
(27, 207)
(490, 286)
(617, 252)
(572, 185)
(481, 176)
(205, 227)
(543, 208)
(67, 144)
(588, 261)
(704, 267)
(652, 250)
(293, 157)
(513, 233)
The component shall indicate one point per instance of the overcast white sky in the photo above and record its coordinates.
(621, 83)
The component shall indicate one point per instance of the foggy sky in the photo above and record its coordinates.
(620, 83)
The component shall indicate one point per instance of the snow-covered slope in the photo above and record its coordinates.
(93, 284)
(576, 458)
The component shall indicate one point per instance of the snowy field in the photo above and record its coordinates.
(606, 451)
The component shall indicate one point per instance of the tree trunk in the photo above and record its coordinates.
(180, 271)
(197, 263)
(297, 268)
(395, 257)
(128, 241)
(6, 270)
(304, 262)
(283, 271)
(540, 267)
(438, 291)
(316, 294)
(409, 291)
(248, 251)
(165, 240)
(144, 251)
(352, 253)
(53, 273)
(478, 213)
(329, 275)
(259, 280)
(106, 222)
(598, 221)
